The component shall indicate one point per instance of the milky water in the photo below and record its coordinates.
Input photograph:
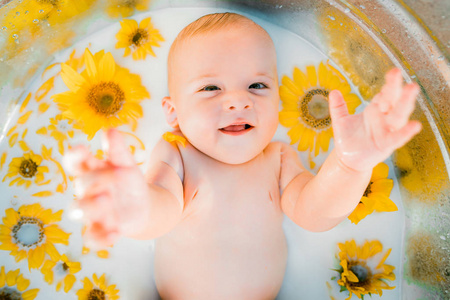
(311, 255)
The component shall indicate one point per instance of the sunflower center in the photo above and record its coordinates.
(28, 168)
(368, 190)
(361, 272)
(139, 37)
(362, 59)
(96, 294)
(7, 293)
(28, 231)
(54, 3)
(106, 98)
(314, 108)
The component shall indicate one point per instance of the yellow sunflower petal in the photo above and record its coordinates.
(2, 276)
(69, 280)
(382, 203)
(289, 118)
(107, 67)
(380, 171)
(306, 140)
(312, 75)
(30, 294)
(301, 80)
(22, 283)
(11, 277)
(71, 78)
(91, 67)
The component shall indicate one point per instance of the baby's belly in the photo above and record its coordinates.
(222, 258)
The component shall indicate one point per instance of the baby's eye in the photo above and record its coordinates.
(210, 88)
(258, 86)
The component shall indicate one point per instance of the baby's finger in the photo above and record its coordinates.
(391, 91)
(118, 153)
(398, 117)
(79, 160)
(400, 137)
(99, 209)
(98, 237)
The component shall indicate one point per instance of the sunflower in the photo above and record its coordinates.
(355, 52)
(30, 233)
(358, 273)
(376, 195)
(125, 8)
(64, 269)
(98, 290)
(13, 286)
(305, 105)
(138, 39)
(26, 170)
(103, 95)
(61, 129)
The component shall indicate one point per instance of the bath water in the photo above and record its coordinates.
(130, 264)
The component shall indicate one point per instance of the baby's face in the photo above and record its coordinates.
(224, 87)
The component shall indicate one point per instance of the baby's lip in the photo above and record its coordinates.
(237, 128)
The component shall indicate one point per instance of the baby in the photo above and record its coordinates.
(215, 194)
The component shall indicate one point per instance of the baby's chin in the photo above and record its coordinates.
(236, 156)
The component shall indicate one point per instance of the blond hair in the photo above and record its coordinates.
(206, 24)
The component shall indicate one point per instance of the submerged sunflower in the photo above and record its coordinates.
(13, 286)
(104, 95)
(305, 105)
(355, 51)
(125, 8)
(30, 233)
(138, 39)
(63, 269)
(358, 273)
(26, 170)
(97, 290)
(376, 195)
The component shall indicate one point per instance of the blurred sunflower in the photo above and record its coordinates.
(97, 290)
(358, 273)
(13, 286)
(355, 52)
(26, 170)
(30, 233)
(305, 105)
(173, 138)
(125, 8)
(376, 195)
(104, 95)
(63, 269)
(138, 39)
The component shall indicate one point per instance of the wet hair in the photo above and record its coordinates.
(206, 24)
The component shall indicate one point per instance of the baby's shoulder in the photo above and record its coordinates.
(166, 151)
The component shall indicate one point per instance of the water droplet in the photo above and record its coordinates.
(442, 237)
(60, 10)
(441, 57)
(35, 21)
(15, 36)
(17, 13)
(362, 6)
(331, 18)
(413, 76)
(347, 10)
(14, 201)
(41, 11)
(383, 30)
(26, 12)
(4, 28)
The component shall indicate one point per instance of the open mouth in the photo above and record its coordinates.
(236, 129)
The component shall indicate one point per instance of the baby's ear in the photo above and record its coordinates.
(169, 111)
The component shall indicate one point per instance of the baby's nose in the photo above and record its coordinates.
(237, 102)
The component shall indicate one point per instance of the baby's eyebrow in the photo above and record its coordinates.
(205, 76)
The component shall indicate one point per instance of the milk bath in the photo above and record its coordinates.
(129, 263)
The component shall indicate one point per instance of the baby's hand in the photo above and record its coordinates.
(112, 193)
(366, 139)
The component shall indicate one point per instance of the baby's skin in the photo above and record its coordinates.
(216, 204)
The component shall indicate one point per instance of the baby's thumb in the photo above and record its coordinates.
(117, 152)
(338, 107)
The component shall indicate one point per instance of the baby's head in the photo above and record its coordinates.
(223, 87)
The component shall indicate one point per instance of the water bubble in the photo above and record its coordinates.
(17, 13)
(41, 11)
(413, 76)
(15, 36)
(383, 30)
(4, 28)
(362, 6)
(440, 57)
(26, 12)
(442, 237)
(347, 10)
(331, 18)
(35, 21)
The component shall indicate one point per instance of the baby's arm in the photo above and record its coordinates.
(320, 202)
(118, 200)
